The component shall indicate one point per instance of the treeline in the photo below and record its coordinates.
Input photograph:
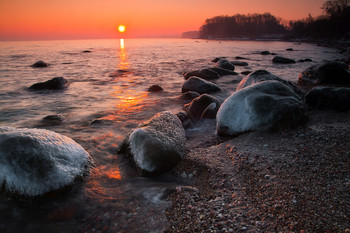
(335, 22)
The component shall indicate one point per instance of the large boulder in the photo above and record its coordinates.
(224, 64)
(283, 60)
(263, 75)
(267, 105)
(52, 84)
(200, 86)
(36, 161)
(157, 145)
(336, 98)
(206, 74)
(222, 72)
(198, 108)
(327, 73)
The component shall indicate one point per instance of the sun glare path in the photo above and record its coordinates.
(121, 28)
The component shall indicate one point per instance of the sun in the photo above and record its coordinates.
(121, 28)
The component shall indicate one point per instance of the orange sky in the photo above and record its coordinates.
(75, 19)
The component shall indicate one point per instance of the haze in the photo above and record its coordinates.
(82, 19)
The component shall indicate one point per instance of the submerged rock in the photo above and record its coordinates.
(200, 86)
(263, 75)
(336, 98)
(283, 60)
(157, 145)
(267, 105)
(52, 120)
(326, 73)
(52, 84)
(198, 108)
(40, 64)
(36, 161)
(155, 88)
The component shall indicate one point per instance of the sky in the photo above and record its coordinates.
(82, 19)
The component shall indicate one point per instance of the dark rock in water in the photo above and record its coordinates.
(327, 73)
(40, 64)
(282, 60)
(265, 53)
(217, 59)
(246, 72)
(210, 111)
(52, 84)
(289, 49)
(200, 86)
(200, 104)
(222, 72)
(52, 120)
(190, 95)
(263, 75)
(305, 60)
(267, 105)
(155, 88)
(239, 63)
(157, 145)
(206, 74)
(36, 161)
(225, 64)
(184, 118)
(87, 51)
(241, 58)
(336, 98)
(274, 54)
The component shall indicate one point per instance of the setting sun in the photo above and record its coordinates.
(121, 28)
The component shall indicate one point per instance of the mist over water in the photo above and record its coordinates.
(108, 97)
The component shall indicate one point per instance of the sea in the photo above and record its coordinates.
(107, 97)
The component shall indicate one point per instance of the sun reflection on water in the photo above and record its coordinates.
(123, 56)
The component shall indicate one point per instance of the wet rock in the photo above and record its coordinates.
(224, 64)
(184, 118)
(241, 58)
(265, 53)
(52, 84)
(239, 63)
(40, 64)
(326, 73)
(263, 75)
(267, 105)
(289, 49)
(282, 60)
(222, 72)
(336, 98)
(36, 161)
(206, 74)
(155, 88)
(305, 60)
(157, 145)
(190, 95)
(87, 51)
(200, 86)
(52, 120)
(246, 72)
(198, 108)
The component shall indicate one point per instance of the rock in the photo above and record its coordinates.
(265, 53)
(241, 58)
(155, 88)
(327, 73)
(267, 105)
(190, 95)
(263, 75)
(36, 161)
(225, 64)
(200, 86)
(52, 84)
(246, 72)
(186, 121)
(157, 145)
(206, 74)
(52, 120)
(210, 111)
(87, 51)
(40, 64)
(239, 63)
(282, 60)
(289, 49)
(222, 72)
(198, 106)
(336, 98)
(305, 60)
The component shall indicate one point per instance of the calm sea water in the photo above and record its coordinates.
(108, 97)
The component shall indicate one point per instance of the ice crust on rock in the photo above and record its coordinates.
(36, 161)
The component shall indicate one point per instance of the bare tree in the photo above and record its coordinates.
(335, 8)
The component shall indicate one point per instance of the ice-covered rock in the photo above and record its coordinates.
(327, 73)
(36, 161)
(336, 98)
(157, 145)
(200, 86)
(267, 105)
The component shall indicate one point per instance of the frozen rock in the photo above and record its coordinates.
(36, 161)
(326, 73)
(267, 105)
(200, 86)
(157, 145)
